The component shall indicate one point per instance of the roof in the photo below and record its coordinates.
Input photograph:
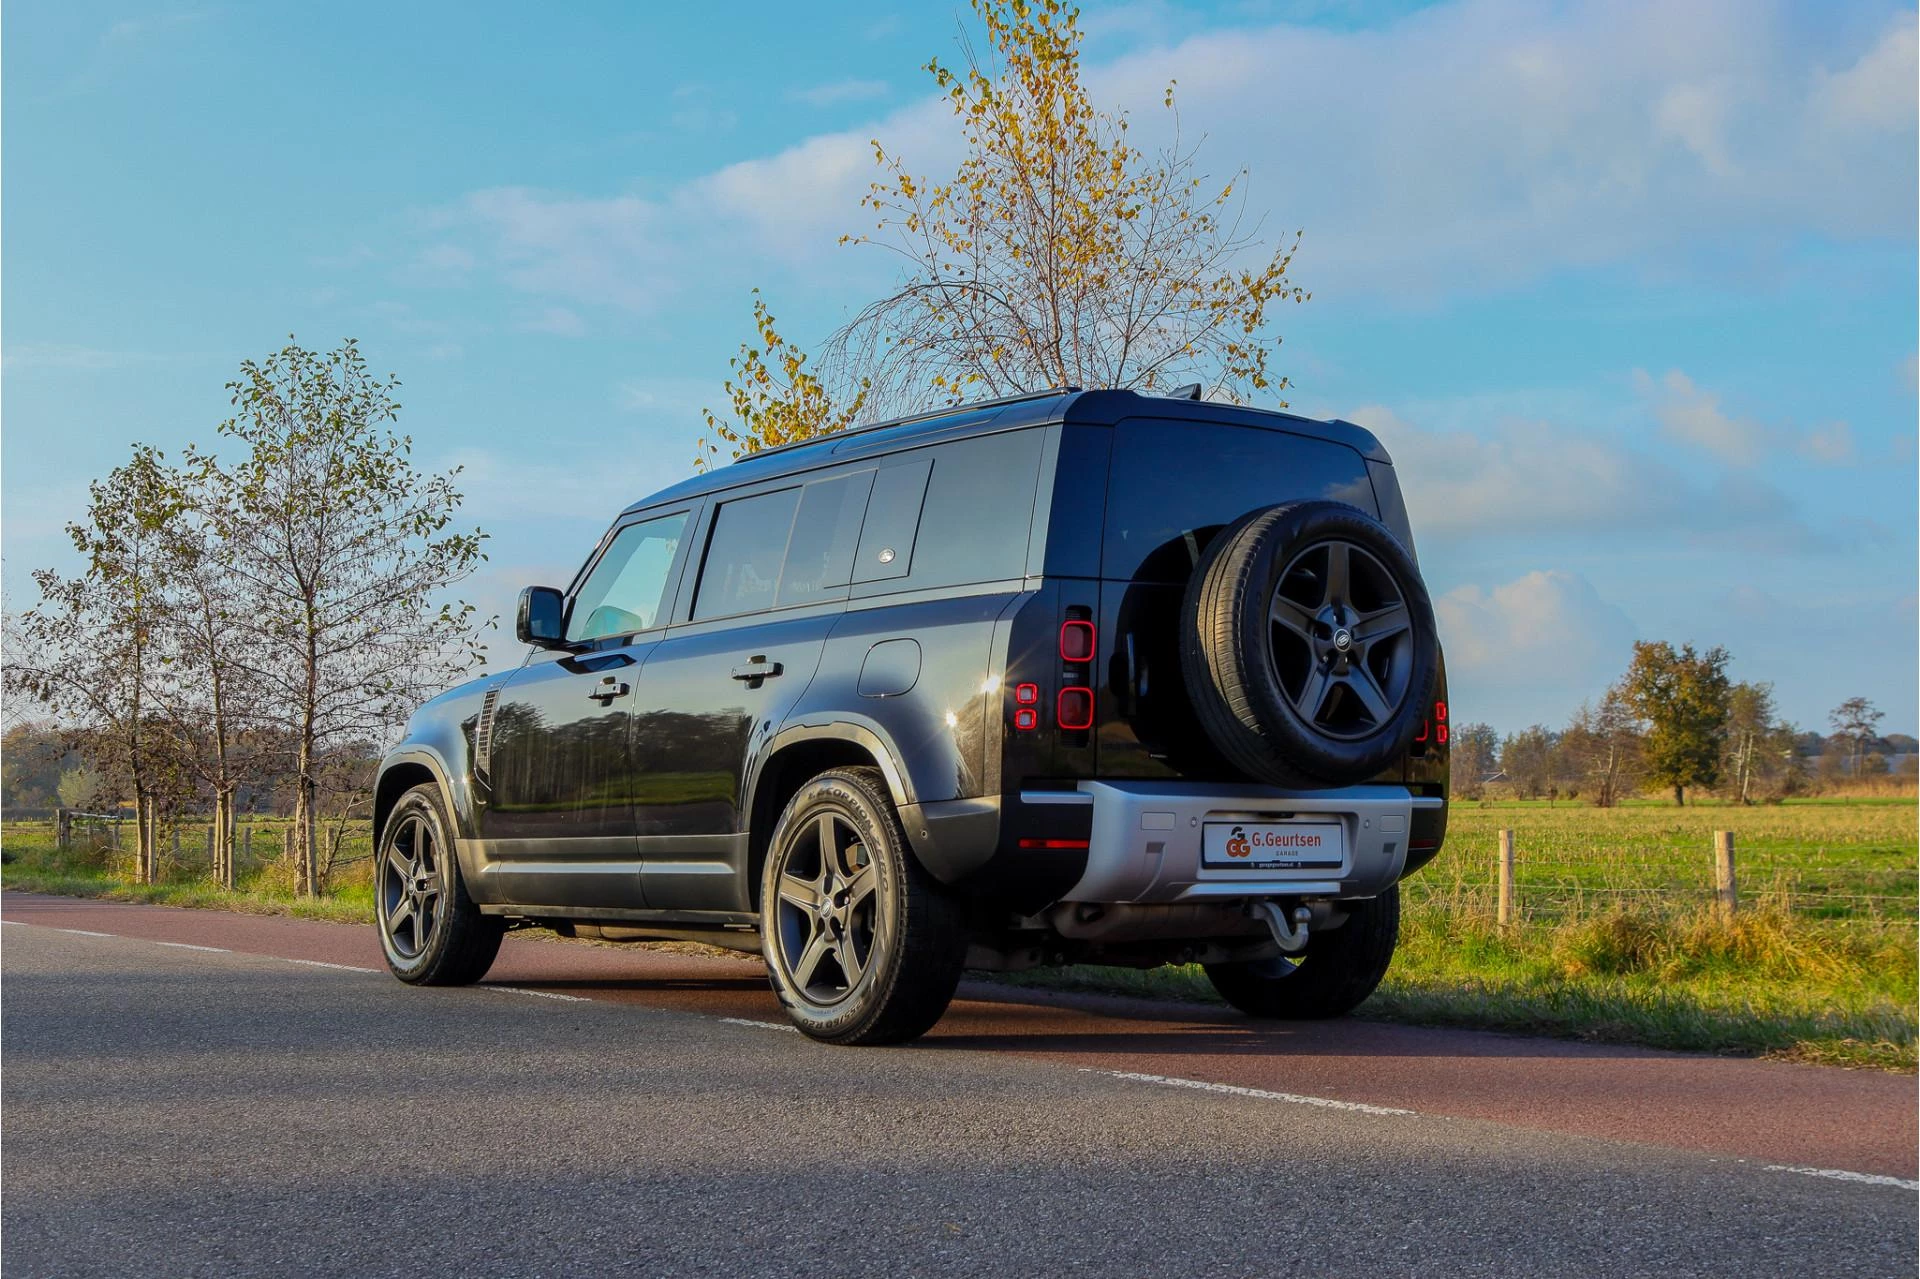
(1099, 408)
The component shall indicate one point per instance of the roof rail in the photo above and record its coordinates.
(948, 411)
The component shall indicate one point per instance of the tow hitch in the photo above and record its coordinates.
(1289, 934)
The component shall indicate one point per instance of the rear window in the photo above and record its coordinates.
(1173, 485)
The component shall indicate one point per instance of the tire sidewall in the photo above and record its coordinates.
(423, 801)
(843, 796)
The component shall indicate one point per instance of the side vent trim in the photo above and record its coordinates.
(483, 735)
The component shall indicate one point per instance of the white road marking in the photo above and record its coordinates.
(539, 994)
(1841, 1174)
(321, 963)
(181, 945)
(1201, 1085)
(759, 1025)
(84, 932)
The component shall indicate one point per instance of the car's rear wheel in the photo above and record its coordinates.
(430, 931)
(862, 945)
(1340, 968)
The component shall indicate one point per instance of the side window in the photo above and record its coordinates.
(886, 539)
(978, 511)
(623, 593)
(820, 556)
(744, 554)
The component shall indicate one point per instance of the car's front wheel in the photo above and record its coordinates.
(1340, 968)
(862, 945)
(430, 931)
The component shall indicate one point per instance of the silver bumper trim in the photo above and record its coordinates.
(1146, 839)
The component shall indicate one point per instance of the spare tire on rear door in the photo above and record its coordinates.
(1308, 645)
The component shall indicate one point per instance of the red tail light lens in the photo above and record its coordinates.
(1026, 720)
(1075, 709)
(1026, 694)
(1076, 641)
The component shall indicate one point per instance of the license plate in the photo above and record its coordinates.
(1273, 845)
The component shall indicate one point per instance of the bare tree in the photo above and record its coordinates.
(88, 650)
(344, 551)
(1858, 722)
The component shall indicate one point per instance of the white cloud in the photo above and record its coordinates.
(1544, 638)
(826, 95)
(1538, 479)
(1464, 147)
(1692, 415)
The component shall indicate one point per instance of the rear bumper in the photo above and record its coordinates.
(1146, 840)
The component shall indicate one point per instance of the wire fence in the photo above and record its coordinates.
(1550, 885)
(261, 843)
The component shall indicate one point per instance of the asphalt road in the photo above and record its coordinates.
(273, 1107)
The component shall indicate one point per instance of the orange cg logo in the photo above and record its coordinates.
(1237, 844)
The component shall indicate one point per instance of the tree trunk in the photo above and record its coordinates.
(1680, 796)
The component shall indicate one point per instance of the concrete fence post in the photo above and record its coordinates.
(1506, 878)
(247, 842)
(1726, 891)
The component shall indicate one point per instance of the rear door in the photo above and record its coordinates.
(767, 585)
(558, 821)
(1172, 486)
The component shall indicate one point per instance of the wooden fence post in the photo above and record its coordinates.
(63, 829)
(1506, 878)
(247, 842)
(1726, 890)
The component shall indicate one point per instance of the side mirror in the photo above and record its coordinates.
(541, 620)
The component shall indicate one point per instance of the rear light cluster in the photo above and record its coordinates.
(1073, 710)
(1073, 705)
(1433, 728)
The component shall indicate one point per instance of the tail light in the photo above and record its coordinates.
(1433, 728)
(1076, 641)
(1075, 709)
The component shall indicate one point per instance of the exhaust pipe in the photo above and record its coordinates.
(1289, 934)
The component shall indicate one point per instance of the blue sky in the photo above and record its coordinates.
(1628, 290)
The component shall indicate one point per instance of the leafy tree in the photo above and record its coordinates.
(1057, 254)
(341, 547)
(1060, 254)
(1474, 750)
(1757, 749)
(33, 757)
(774, 399)
(82, 787)
(88, 650)
(1527, 759)
(210, 695)
(1683, 698)
(1856, 721)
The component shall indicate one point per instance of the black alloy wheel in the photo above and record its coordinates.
(828, 910)
(431, 932)
(862, 945)
(1342, 642)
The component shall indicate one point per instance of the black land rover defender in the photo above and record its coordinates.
(1074, 677)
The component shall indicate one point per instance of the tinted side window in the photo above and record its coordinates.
(893, 516)
(820, 557)
(978, 511)
(744, 553)
(1173, 485)
(622, 594)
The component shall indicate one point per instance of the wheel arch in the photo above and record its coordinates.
(402, 772)
(798, 754)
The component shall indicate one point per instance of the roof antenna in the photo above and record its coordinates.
(1191, 391)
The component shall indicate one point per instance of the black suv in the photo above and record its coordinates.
(1074, 677)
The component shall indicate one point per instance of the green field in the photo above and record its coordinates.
(1616, 937)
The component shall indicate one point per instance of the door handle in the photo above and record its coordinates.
(611, 686)
(757, 669)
